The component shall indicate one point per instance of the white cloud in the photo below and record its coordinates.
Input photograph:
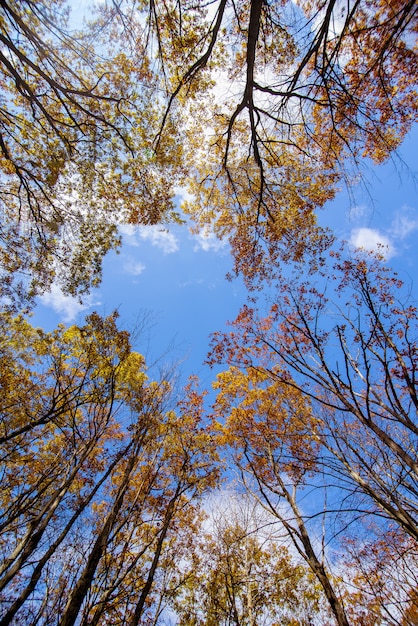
(358, 212)
(404, 223)
(190, 283)
(66, 306)
(159, 237)
(207, 240)
(373, 240)
(391, 242)
(183, 194)
(128, 232)
(133, 267)
(155, 234)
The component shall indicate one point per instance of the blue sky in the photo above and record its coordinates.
(172, 278)
(384, 208)
(177, 280)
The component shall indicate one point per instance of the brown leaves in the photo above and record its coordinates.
(76, 147)
(343, 344)
(257, 109)
(339, 84)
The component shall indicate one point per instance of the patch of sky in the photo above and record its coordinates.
(380, 211)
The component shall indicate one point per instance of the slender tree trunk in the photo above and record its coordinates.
(151, 574)
(36, 574)
(301, 540)
(250, 604)
(34, 534)
(315, 564)
(84, 582)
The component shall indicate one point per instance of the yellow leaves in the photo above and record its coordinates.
(257, 117)
(76, 123)
(131, 371)
(267, 213)
(52, 380)
(239, 566)
(267, 417)
(91, 438)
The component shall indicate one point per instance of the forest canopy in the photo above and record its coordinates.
(287, 494)
(258, 108)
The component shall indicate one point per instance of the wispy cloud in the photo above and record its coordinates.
(135, 268)
(207, 240)
(129, 232)
(66, 306)
(157, 236)
(404, 223)
(358, 212)
(191, 283)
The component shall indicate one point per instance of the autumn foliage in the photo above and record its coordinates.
(320, 398)
(258, 108)
(101, 474)
(261, 111)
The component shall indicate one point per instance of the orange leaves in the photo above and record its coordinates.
(349, 360)
(340, 84)
(375, 580)
(269, 216)
(320, 389)
(190, 451)
(268, 420)
(257, 109)
(366, 101)
(95, 459)
(242, 571)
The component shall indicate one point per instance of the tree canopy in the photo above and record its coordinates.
(101, 472)
(77, 113)
(257, 107)
(320, 397)
(261, 110)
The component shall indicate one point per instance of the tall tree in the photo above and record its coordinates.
(99, 468)
(243, 573)
(324, 386)
(55, 437)
(299, 91)
(267, 429)
(380, 592)
(257, 106)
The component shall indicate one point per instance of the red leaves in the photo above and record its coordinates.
(346, 343)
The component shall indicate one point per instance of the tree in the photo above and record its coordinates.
(386, 594)
(324, 387)
(299, 90)
(56, 428)
(76, 156)
(99, 469)
(267, 429)
(97, 126)
(243, 573)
